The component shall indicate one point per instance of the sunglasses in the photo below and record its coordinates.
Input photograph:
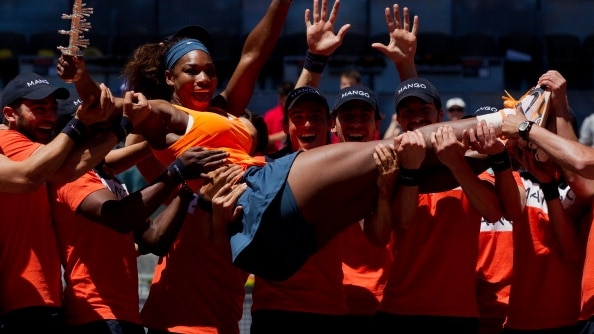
(456, 109)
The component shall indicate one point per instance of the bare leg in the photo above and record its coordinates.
(334, 185)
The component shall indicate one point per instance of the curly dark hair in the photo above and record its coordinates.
(144, 72)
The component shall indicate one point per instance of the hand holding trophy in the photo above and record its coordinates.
(78, 26)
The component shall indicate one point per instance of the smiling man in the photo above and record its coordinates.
(307, 121)
(355, 115)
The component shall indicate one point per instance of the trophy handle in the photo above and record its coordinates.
(78, 25)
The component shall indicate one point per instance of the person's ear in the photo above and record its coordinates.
(169, 77)
(9, 114)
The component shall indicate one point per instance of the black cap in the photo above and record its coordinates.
(352, 93)
(68, 107)
(417, 87)
(195, 32)
(31, 86)
(305, 93)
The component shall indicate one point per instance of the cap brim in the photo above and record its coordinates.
(309, 97)
(60, 93)
(423, 96)
(196, 32)
(353, 98)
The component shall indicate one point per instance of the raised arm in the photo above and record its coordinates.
(257, 48)
(562, 146)
(90, 152)
(403, 42)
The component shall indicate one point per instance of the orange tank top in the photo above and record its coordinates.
(216, 132)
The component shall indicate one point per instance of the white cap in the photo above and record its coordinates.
(455, 101)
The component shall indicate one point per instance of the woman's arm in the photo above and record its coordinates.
(257, 48)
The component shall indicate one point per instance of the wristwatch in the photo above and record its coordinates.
(524, 129)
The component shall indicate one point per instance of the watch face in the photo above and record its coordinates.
(523, 129)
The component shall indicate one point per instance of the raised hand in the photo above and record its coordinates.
(70, 68)
(321, 39)
(197, 161)
(403, 38)
(556, 83)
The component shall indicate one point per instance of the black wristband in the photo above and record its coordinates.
(122, 128)
(75, 129)
(176, 169)
(315, 63)
(203, 203)
(500, 161)
(409, 177)
(550, 190)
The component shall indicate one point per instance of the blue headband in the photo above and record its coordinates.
(181, 48)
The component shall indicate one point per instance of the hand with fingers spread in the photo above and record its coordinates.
(321, 39)
(403, 37)
(216, 179)
(448, 149)
(484, 139)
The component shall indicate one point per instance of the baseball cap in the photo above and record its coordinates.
(353, 93)
(455, 101)
(195, 32)
(67, 107)
(417, 87)
(305, 93)
(31, 86)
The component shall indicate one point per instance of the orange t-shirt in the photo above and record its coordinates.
(365, 268)
(434, 267)
(315, 288)
(195, 288)
(29, 259)
(494, 265)
(545, 290)
(99, 262)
